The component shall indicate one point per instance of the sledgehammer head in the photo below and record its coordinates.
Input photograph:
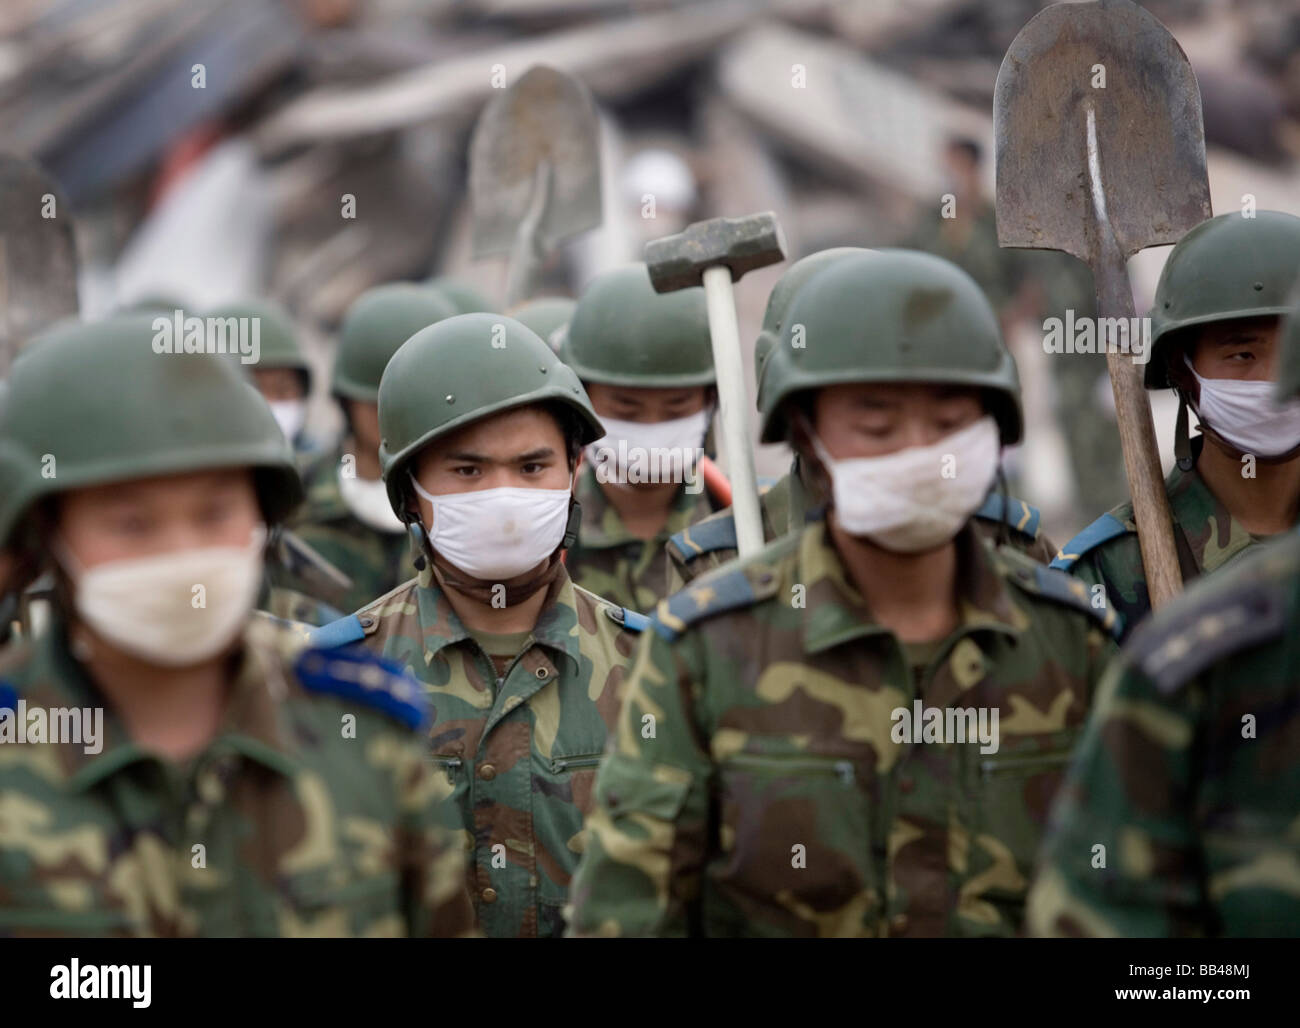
(741, 244)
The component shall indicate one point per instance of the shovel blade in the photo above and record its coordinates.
(1148, 137)
(546, 117)
(38, 255)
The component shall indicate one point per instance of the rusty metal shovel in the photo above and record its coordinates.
(38, 255)
(1101, 153)
(534, 172)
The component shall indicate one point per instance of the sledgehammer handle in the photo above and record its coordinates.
(733, 408)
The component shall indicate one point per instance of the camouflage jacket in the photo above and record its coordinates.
(611, 562)
(375, 561)
(520, 751)
(759, 781)
(1181, 809)
(287, 824)
(785, 506)
(1107, 553)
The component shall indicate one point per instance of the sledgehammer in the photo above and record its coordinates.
(717, 253)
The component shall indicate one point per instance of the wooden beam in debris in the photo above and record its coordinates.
(613, 57)
(835, 109)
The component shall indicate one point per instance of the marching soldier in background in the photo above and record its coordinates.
(524, 668)
(1214, 338)
(281, 374)
(647, 363)
(461, 297)
(774, 771)
(1179, 816)
(791, 500)
(224, 779)
(19, 483)
(347, 518)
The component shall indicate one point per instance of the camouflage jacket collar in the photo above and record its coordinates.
(602, 526)
(321, 482)
(441, 626)
(252, 725)
(1211, 534)
(986, 604)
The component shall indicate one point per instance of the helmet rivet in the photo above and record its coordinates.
(541, 369)
(451, 398)
(1168, 304)
(1259, 286)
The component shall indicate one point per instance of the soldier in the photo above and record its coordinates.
(524, 668)
(170, 765)
(1180, 811)
(1214, 329)
(547, 316)
(792, 499)
(647, 363)
(281, 374)
(856, 731)
(347, 519)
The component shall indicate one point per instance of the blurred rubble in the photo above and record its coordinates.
(833, 113)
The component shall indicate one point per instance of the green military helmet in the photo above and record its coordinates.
(545, 315)
(277, 336)
(20, 478)
(1288, 358)
(623, 333)
(891, 316)
(482, 364)
(783, 293)
(462, 296)
(97, 404)
(379, 321)
(1227, 267)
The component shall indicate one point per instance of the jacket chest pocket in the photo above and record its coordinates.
(1012, 793)
(796, 847)
(562, 797)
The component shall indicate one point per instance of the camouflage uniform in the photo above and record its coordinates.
(1225, 268)
(303, 830)
(375, 561)
(760, 781)
(770, 798)
(1188, 774)
(623, 333)
(611, 562)
(313, 805)
(518, 747)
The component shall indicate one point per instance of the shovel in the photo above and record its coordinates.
(38, 256)
(534, 172)
(1101, 153)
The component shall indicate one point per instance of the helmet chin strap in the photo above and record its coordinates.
(1182, 436)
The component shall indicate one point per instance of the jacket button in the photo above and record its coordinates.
(898, 924)
(487, 772)
(488, 895)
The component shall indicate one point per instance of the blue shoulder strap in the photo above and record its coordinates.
(708, 536)
(337, 633)
(1015, 512)
(634, 620)
(712, 594)
(1102, 530)
(361, 676)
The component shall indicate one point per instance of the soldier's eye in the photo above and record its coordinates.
(465, 470)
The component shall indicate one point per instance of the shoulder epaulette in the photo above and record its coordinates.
(1102, 530)
(357, 674)
(707, 536)
(728, 588)
(632, 620)
(1205, 626)
(338, 633)
(1018, 514)
(1056, 586)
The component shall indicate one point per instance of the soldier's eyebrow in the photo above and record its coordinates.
(468, 457)
(1244, 337)
(541, 453)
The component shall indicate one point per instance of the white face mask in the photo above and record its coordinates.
(656, 451)
(290, 415)
(149, 606)
(497, 534)
(367, 498)
(1245, 414)
(918, 498)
